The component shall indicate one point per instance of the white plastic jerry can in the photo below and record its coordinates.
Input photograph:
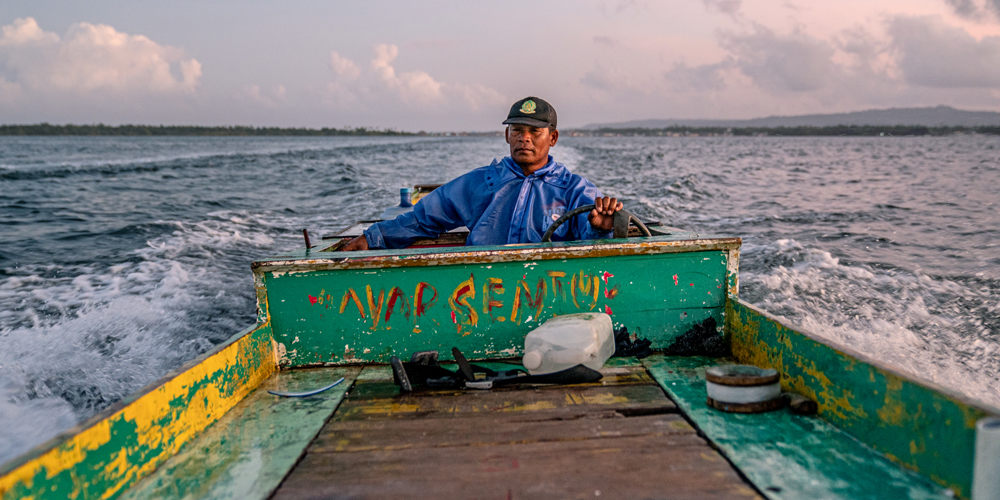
(566, 341)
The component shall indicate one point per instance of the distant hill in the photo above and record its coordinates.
(939, 116)
(183, 130)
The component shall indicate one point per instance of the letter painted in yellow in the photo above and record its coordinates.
(459, 302)
(351, 294)
(491, 287)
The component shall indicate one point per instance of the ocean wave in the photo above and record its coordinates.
(932, 327)
(173, 154)
(869, 243)
(88, 335)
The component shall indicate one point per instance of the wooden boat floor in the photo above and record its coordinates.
(621, 437)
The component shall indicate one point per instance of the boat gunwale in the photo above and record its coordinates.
(395, 259)
(68, 434)
(880, 365)
(501, 253)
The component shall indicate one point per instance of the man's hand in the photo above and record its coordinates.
(359, 243)
(602, 216)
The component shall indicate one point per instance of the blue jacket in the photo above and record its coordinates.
(499, 205)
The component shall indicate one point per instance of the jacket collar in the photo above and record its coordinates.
(552, 173)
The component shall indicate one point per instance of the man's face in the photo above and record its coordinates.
(529, 146)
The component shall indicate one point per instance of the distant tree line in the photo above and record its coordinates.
(190, 130)
(180, 130)
(839, 130)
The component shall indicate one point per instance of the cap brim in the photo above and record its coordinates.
(523, 120)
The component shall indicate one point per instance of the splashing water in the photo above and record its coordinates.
(122, 258)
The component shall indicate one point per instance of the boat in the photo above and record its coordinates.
(215, 429)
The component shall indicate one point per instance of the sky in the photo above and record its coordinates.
(459, 65)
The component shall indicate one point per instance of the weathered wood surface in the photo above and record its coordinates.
(124, 443)
(639, 467)
(248, 452)
(610, 441)
(927, 428)
(789, 456)
(573, 402)
(386, 435)
(334, 308)
(613, 376)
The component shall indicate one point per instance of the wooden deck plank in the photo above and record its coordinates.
(373, 386)
(789, 456)
(621, 439)
(248, 452)
(668, 467)
(612, 367)
(572, 402)
(374, 435)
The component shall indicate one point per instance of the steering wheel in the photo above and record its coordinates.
(621, 223)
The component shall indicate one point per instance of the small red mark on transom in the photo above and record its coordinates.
(605, 277)
(607, 310)
(312, 300)
(675, 280)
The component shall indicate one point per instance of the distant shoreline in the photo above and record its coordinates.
(804, 131)
(45, 129)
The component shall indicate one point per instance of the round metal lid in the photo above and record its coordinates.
(741, 375)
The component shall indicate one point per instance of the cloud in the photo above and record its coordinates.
(731, 7)
(976, 10)
(413, 86)
(344, 67)
(381, 84)
(770, 66)
(699, 78)
(606, 41)
(868, 52)
(269, 98)
(25, 32)
(91, 58)
(602, 79)
(782, 63)
(619, 6)
(477, 96)
(934, 54)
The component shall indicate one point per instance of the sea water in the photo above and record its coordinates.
(122, 258)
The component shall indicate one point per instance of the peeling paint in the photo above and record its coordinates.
(921, 426)
(468, 307)
(125, 443)
(563, 250)
(789, 456)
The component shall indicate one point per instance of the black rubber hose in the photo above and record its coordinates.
(642, 227)
(547, 237)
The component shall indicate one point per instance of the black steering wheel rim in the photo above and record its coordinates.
(547, 237)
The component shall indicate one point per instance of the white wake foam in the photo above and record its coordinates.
(96, 335)
(919, 324)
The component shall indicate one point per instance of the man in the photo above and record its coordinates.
(514, 200)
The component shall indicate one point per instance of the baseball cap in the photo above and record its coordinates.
(532, 111)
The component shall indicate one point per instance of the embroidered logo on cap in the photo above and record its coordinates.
(528, 107)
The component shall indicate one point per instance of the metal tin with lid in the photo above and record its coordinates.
(743, 388)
